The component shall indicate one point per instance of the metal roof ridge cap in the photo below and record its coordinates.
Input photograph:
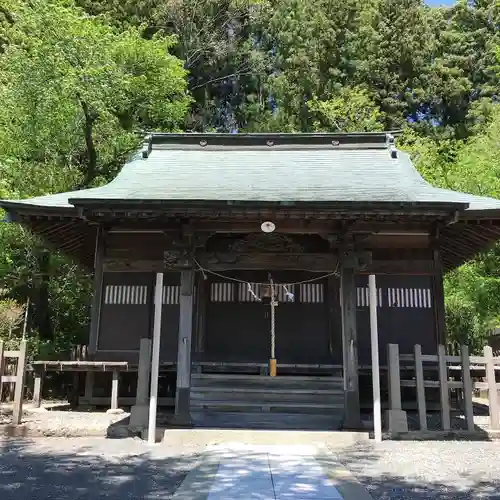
(254, 137)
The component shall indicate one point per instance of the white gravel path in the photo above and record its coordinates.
(441, 470)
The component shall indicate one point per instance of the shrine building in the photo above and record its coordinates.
(259, 248)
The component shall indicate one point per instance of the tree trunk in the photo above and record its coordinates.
(88, 128)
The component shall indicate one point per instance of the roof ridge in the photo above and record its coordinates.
(316, 140)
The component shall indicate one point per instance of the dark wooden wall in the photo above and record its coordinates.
(238, 327)
(231, 326)
(127, 313)
(405, 315)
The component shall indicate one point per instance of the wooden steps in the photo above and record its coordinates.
(258, 401)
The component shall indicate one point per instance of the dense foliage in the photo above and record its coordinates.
(81, 80)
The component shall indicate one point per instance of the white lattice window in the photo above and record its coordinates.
(126, 294)
(171, 294)
(222, 292)
(311, 293)
(409, 297)
(245, 292)
(363, 297)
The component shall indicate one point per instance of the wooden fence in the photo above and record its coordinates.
(464, 374)
(17, 379)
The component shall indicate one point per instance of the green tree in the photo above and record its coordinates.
(398, 47)
(464, 72)
(351, 110)
(215, 39)
(76, 91)
(76, 96)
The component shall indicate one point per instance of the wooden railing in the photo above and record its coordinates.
(6, 358)
(463, 373)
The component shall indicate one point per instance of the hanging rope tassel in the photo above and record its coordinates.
(289, 295)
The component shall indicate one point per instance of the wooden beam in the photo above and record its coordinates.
(306, 262)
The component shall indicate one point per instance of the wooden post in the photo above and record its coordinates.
(201, 311)
(182, 395)
(443, 389)
(89, 387)
(139, 412)
(349, 348)
(492, 388)
(39, 373)
(114, 389)
(74, 398)
(334, 314)
(2, 368)
(394, 377)
(19, 391)
(419, 378)
(95, 314)
(377, 415)
(143, 372)
(438, 299)
(155, 359)
(396, 418)
(467, 387)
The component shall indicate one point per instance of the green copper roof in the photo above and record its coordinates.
(266, 168)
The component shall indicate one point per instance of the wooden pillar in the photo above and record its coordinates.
(89, 387)
(334, 336)
(420, 382)
(95, 315)
(38, 373)
(139, 412)
(155, 359)
(492, 388)
(377, 412)
(182, 395)
(467, 388)
(114, 390)
(444, 389)
(17, 412)
(396, 418)
(438, 299)
(352, 418)
(201, 307)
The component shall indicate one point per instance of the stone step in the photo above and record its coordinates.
(249, 406)
(267, 390)
(199, 395)
(266, 421)
(268, 383)
(278, 379)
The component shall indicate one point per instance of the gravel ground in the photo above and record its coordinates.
(445, 470)
(91, 469)
(52, 422)
(95, 468)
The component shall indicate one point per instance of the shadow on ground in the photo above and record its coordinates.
(424, 470)
(71, 469)
(98, 468)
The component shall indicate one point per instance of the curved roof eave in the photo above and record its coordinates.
(182, 169)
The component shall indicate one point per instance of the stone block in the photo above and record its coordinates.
(396, 421)
(139, 415)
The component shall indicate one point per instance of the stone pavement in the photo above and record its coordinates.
(267, 472)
